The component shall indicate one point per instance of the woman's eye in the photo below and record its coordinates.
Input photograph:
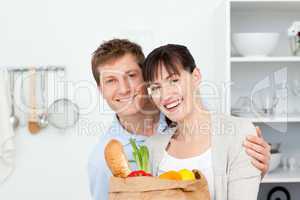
(175, 80)
(155, 88)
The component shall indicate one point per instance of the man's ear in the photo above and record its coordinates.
(196, 76)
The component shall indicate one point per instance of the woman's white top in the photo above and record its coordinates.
(234, 174)
(202, 162)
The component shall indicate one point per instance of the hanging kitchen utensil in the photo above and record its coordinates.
(43, 117)
(63, 113)
(14, 120)
(33, 125)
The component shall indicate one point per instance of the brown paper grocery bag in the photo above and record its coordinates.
(153, 188)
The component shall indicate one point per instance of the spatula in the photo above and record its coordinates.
(33, 125)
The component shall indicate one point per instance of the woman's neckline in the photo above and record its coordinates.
(203, 154)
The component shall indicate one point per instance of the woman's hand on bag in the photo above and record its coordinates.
(259, 150)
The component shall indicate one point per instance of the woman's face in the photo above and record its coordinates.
(173, 93)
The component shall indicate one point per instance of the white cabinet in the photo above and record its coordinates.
(243, 77)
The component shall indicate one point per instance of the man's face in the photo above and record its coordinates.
(122, 85)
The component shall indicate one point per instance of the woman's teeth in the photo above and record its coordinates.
(173, 105)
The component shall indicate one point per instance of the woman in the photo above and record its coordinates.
(203, 140)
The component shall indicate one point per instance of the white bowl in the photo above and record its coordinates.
(255, 44)
(275, 161)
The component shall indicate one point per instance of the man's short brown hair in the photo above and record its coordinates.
(110, 51)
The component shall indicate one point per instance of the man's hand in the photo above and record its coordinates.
(259, 150)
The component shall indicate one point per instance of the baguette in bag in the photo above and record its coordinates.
(116, 159)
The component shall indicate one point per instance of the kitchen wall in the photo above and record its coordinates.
(52, 164)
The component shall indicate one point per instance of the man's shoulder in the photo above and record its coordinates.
(97, 154)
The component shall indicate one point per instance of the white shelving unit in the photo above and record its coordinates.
(286, 59)
(275, 120)
(280, 175)
(235, 16)
(291, 118)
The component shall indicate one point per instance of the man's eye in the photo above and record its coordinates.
(110, 81)
(132, 75)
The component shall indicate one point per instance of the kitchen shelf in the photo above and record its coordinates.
(275, 119)
(265, 5)
(279, 119)
(280, 175)
(264, 59)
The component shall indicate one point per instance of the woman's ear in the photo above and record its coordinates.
(196, 76)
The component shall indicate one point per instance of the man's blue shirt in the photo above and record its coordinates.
(98, 171)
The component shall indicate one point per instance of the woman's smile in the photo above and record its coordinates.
(172, 105)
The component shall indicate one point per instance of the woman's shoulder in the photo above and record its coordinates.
(227, 126)
(229, 144)
(229, 133)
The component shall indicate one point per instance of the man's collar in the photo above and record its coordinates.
(119, 129)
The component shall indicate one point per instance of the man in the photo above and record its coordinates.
(116, 67)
